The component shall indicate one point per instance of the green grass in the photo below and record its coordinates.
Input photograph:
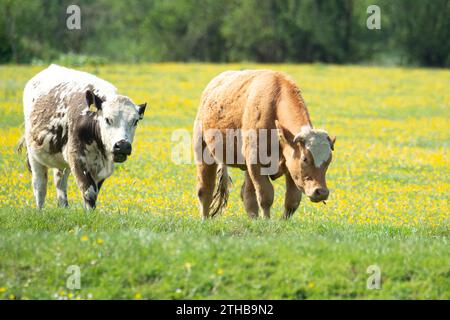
(174, 257)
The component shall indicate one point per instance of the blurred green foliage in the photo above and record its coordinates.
(332, 31)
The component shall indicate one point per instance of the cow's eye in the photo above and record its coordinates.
(304, 159)
(135, 123)
(108, 121)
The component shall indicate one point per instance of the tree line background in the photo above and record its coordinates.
(330, 31)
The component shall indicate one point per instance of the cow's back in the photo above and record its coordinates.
(239, 99)
(61, 82)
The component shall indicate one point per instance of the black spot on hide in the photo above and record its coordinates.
(88, 130)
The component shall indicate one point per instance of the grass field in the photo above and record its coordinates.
(389, 202)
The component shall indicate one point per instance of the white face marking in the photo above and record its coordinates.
(118, 119)
(316, 141)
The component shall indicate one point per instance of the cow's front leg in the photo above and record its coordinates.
(87, 185)
(292, 197)
(263, 188)
(248, 196)
(60, 178)
(39, 174)
(89, 190)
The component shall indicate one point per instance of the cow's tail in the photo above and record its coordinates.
(220, 197)
(21, 145)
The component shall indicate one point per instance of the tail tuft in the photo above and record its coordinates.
(220, 197)
(21, 145)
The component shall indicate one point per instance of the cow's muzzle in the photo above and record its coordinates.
(319, 194)
(121, 150)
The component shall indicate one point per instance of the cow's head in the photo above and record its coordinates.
(117, 119)
(307, 156)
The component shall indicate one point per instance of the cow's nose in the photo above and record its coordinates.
(122, 147)
(321, 193)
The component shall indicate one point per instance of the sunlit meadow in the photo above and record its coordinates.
(390, 171)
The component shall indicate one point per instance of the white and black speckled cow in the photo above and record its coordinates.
(76, 122)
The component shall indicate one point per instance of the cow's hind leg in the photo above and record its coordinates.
(264, 189)
(39, 174)
(206, 181)
(60, 178)
(248, 195)
(292, 197)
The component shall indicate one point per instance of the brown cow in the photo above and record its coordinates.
(258, 103)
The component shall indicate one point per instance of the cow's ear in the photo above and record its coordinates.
(93, 101)
(280, 132)
(299, 138)
(141, 110)
(332, 140)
